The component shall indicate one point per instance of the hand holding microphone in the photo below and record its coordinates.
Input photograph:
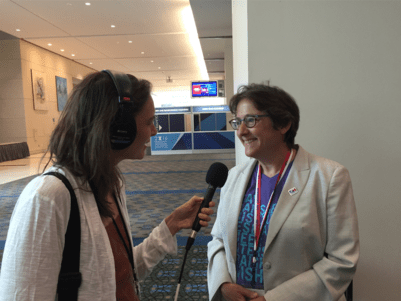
(183, 217)
(216, 177)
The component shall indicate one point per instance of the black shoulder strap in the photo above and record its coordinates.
(70, 278)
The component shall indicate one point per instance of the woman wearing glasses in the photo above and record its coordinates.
(286, 226)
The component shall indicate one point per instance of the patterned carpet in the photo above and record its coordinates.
(155, 186)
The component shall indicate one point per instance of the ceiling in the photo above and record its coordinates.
(150, 39)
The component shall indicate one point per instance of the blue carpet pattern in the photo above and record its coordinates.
(155, 186)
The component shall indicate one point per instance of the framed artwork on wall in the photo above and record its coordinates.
(62, 95)
(39, 90)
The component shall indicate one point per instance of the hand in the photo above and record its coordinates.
(259, 298)
(235, 292)
(184, 216)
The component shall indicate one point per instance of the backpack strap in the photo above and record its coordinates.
(70, 278)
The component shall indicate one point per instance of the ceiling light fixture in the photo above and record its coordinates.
(72, 54)
(18, 30)
(87, 4)
(151, 61)
(49, 44)
(113, 26)
(61, 49)
(189, 23)
(129, 41)
(142, 52)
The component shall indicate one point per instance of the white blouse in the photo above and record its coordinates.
(35, 242)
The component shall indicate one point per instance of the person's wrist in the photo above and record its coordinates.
(171, 224)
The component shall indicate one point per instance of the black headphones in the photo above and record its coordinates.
(123, 126)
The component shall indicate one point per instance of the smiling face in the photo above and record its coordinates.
(145, 129)
(261, 142)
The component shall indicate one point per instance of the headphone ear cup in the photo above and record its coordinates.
(122, 129)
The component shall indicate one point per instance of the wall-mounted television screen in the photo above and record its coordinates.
(204, 89)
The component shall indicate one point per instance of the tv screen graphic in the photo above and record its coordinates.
(204, 89)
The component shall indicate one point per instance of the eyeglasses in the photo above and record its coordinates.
(249, 120)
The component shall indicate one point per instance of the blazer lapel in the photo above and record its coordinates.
(236, 197)
(297, 178)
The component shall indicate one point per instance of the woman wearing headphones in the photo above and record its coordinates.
(108, 118)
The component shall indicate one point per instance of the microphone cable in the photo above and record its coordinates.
(187, 247)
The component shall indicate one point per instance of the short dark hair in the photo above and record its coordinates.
(81, 140)
(274, 101)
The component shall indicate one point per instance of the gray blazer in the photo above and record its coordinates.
(312, 247)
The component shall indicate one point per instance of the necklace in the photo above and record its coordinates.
(128, 249)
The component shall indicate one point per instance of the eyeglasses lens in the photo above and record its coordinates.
(249, 121)
(235, 123)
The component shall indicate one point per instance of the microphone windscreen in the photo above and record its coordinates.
(217, 174)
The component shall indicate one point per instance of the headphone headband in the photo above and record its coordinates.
(122, 85)
(123, 126)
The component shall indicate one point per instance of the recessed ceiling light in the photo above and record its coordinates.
(151, 61)
(72, 54)
(61, 49)
(18, 29)
(90, 63)
(129, 41)
(142, 52)
(87, 4)
(49, 44)
(112, 26)
(160, 67)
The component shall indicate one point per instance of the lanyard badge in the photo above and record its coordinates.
(257, 224)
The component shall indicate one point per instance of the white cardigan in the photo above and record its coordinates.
(35, 243)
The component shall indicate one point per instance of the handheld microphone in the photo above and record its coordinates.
(216, 177)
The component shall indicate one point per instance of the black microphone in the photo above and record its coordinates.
(216, 177)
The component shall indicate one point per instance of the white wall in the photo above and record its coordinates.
(240, 59)
(12, 113)
(341, 61)
(228, 70)
(182, 98)
(40, 124)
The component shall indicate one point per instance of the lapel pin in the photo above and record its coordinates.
(293, 191)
